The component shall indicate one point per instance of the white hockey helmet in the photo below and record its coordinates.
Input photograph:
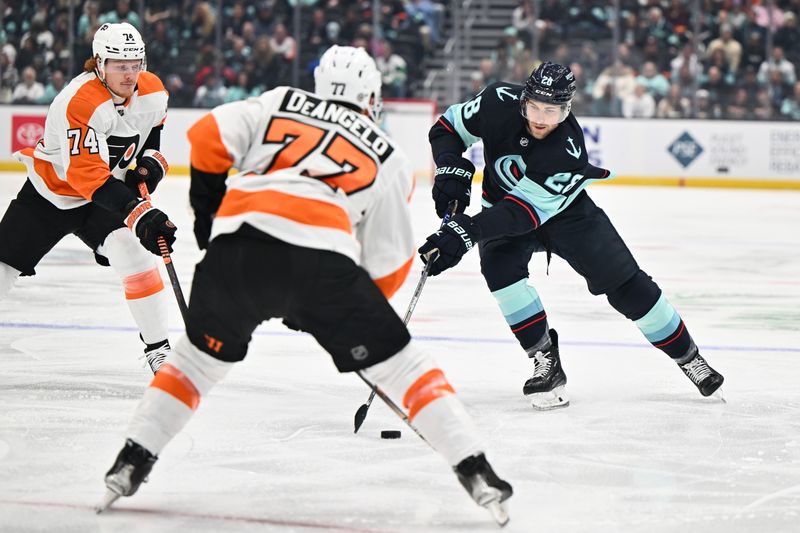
(349, 74)
(117, 41)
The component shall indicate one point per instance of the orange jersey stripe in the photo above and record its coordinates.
(295, 208)
(176, 384)
(86, 171)
(148, 83)
(143, 284)
(428, 387)
(46, 171)
(208, 153)
(389, 284)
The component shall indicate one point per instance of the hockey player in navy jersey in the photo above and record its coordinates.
(534, 201)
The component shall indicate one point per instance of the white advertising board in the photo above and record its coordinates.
(677, 152)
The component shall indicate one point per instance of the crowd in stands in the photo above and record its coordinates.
(204, 63)
(666, 64)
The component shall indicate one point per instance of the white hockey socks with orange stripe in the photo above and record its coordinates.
(141, 279)
(169, 402)
(411, 379)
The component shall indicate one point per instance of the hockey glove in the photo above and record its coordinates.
(150, 168)
(446, 247)
(149, 223)
(453, 181)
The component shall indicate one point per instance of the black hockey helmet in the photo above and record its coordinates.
(550, 83)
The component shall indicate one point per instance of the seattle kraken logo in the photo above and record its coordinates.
(509, 169)
(575, 152)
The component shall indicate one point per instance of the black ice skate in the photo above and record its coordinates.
(545, 389)
(156, 353)
(706, 379)
(130, 470)
(489, 491)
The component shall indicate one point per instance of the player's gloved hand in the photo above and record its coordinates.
(149, 223)
(202, 229)
(446, 247)
(151, 168)
(453, 181)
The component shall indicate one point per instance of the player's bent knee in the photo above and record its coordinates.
(201, 369)
(125, 254)
(636, 296)
(8, 276)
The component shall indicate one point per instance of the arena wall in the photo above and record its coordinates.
(641, 152)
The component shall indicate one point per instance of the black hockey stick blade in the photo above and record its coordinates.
(361, 414)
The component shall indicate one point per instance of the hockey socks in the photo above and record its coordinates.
(523, 311)
(665, 330)
(433, 407)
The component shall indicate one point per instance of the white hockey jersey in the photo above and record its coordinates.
(87, 138)
(313, 173)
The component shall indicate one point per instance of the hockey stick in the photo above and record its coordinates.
(165, 255)
(361, 413)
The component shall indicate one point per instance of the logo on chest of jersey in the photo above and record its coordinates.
(121, 150)
(509, 170)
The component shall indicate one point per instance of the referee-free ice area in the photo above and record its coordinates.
(272, 448)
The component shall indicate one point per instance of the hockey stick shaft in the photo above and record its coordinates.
(361, 413)
(168, 264)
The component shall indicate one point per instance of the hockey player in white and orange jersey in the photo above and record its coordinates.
(79, 182)
(314, 229)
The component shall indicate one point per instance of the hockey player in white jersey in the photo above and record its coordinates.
(79, 180)
(314, 229)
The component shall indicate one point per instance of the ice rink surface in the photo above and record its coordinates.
(272, 448)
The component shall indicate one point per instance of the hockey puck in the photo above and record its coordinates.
(390, 434)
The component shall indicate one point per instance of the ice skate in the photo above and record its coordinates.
(546, 388)
(489, 491)
(130, 470)
(155, 354)
(707, 380)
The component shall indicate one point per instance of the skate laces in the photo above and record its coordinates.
(155, 357)
(697, 369)
(542, 364)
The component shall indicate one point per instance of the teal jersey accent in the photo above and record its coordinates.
(660, 322)
(544, 202)
(518, 301)
(455, 116)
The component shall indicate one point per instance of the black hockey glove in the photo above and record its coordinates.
(446, 247)
(150, 168)
(149, 223)
(453, 181)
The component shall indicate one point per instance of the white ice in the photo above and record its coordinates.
(272, 448)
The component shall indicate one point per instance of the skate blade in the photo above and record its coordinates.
(717, 395)
(109, 498)
(547, 401)
(498, 511)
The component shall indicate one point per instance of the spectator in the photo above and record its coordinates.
(9, 77)
(429, 13)
(28, 91)
(620, 77)
(777, 89)
(523, 20)
(640, 104)
(729, 46)
(674, 105)
(607, 105)
(89, 20)
(788, 37)
(655, 82)
(283, 44)
(740, 107)
(753, 54)
(180, 95)
(240, 90)
(706, 108)
(122, 13)
(719, 89)
(790, 108)
(777, 61)
(687, 57)
(393, 71)
(211, 93)
(57, 83)
(202, 23)
(763, 108)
